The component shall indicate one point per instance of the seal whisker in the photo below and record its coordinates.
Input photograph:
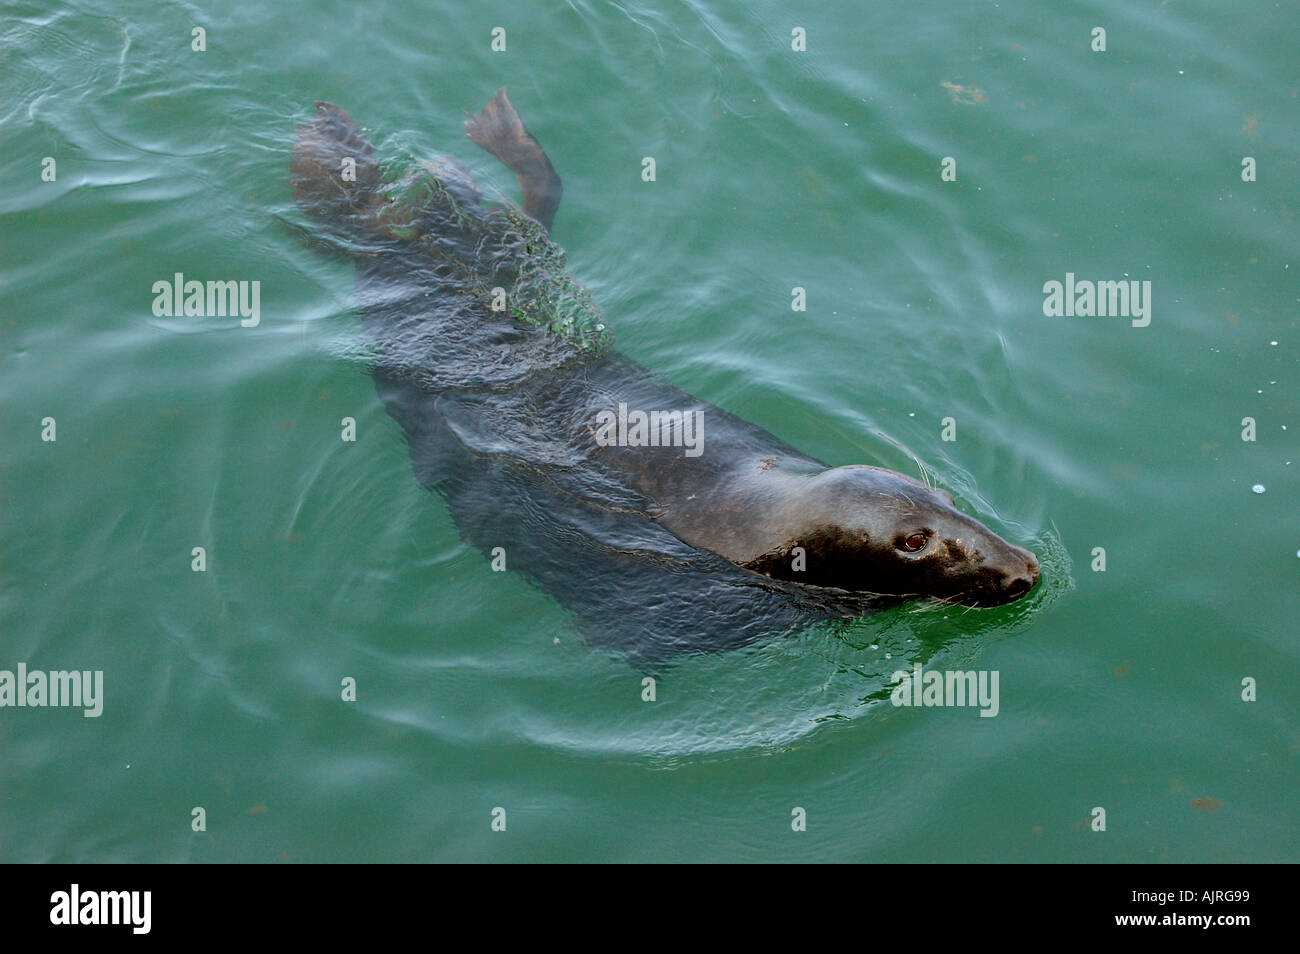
(925, 477)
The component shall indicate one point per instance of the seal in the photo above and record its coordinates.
(500, 369)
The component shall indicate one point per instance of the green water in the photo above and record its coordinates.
(821, 169)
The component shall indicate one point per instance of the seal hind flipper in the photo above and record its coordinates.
(318, 165)
(500, 131)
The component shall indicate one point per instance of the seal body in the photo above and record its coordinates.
(616, 491)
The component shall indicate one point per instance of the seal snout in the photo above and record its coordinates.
(1021, 580)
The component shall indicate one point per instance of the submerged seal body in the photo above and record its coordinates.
(592, 472)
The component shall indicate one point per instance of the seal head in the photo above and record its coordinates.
(866, 529)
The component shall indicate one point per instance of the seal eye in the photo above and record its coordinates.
(913, 543)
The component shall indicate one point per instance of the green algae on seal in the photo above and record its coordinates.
(433, 207)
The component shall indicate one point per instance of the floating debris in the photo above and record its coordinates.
(966, 95)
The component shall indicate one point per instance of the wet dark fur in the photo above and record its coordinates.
(654, 551)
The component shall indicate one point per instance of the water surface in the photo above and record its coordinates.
(775, 169)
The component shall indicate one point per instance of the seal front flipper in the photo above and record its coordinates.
(500, 131)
